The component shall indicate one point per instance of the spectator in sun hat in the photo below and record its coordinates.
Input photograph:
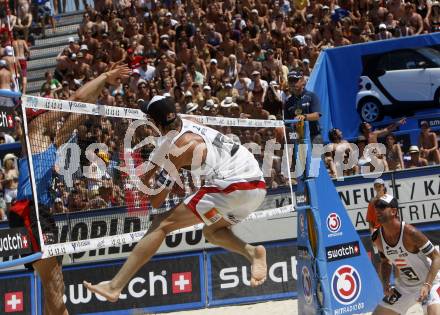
(383, 33)
(207, 94)
(258, 87)
(415, 159)
(225, 106)
(191, 108)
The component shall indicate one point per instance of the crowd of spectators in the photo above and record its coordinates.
(215, 58)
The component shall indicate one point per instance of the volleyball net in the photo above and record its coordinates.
(86, 159)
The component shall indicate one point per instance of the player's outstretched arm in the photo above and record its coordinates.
(89, 93)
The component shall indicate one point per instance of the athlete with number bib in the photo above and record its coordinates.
(234, 187)
(415, 257)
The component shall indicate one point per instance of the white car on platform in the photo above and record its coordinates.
(398, 81)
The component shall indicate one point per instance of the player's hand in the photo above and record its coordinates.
(424, 292)
(117, 71)
(300, 117)
(387, 290)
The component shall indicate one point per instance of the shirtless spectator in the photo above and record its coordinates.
(65, 91)
(412, 18)
(6, 83)
(85, 26)
(416, 160)
(372, 135)
(22, 53)
(428, 144)
(73, 47)
(24, 20)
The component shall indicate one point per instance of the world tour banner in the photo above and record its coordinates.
(357, 79)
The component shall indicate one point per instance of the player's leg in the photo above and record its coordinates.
(179, 217)
(52, 281)
(434, 309)
(380, 310)
(220, 234)
(434, 300)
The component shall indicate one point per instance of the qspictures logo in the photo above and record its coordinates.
(14, 241)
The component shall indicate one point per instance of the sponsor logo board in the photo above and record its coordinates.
(162, 282)
(230, 274)
(342, 251)
(16, 294)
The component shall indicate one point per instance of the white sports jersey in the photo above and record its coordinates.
(413, 268)
(226, 161)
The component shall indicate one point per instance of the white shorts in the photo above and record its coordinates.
(232, 203)
(409, 298)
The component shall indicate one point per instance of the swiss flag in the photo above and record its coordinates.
(182, 282)
(10, 121)
(25, 242)
(14, 302)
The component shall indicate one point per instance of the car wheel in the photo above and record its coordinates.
(370, 110)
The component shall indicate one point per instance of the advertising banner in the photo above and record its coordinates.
(163, 284)
(7, 121)
(229, 275)
(17, 294)
(14, 242)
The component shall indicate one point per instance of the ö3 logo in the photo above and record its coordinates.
(334, 224)
(346, 284)
(307, 285)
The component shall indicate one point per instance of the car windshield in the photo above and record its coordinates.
(431, 54)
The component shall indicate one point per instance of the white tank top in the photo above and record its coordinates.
(413, 267)
(226, 161)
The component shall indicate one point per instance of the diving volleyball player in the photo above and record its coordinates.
(44, 143)
(416, 258)
(234, 187)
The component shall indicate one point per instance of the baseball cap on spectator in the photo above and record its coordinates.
(413, 149)
(213, 60)
(272, 117)
(273, 83)
(424, 123)
(9, 51)
(72, 56)
(255, 72)
(325, 7)
(207, 88)
(141, 81)
(228, 85)
(227, 102)
(167, 94)
(294, 75)
(9, 156)
(65, 82)
(136, 71)
(3, 63)
(168, 14)
(306, 61)
(164, 36)
(379, 181)
(58, 200)
(71, 40)
(382, 26)
(269, 51)
(105, 34)
(188, 93)
(190, 107)
(80, 54)
(84, 47)
(386, 201)
(255, 11)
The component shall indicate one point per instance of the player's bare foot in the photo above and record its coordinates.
(103, 289)
(259, 267)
